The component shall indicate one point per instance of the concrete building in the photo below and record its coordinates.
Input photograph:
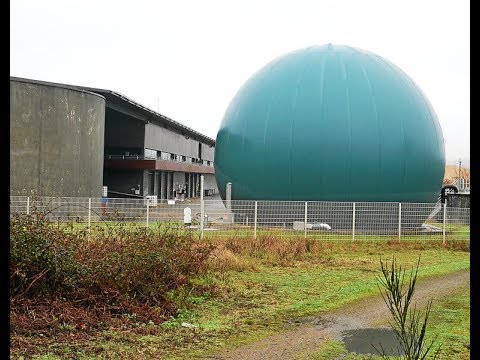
(145, 153)
(56, 139)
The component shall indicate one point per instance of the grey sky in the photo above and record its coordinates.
(187, 59)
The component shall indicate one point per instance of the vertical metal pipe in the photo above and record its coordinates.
(228, 197)
(202, 206)
(148, 210)
(399, 220)
(28, 205)
(255, 223)
(89, 212)
(353, 223)
(89, 216)
(444, 221)
(305, 225)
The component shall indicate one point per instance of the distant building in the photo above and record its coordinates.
(135, 151)
(457, 176)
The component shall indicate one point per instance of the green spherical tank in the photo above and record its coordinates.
(330, 123)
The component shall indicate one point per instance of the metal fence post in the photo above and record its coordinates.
(202, 207)
(444, 221)
(306, 202)
(399, 220)
(28, 205)
(89, 212)
(353, 223)
(228, 198)
(255, 223)
(148, 211)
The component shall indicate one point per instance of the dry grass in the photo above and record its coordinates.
(123, 282)
(64, 281)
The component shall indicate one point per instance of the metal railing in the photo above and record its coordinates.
(311, 219)
(142, 157)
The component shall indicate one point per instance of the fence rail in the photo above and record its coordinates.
(312, 219)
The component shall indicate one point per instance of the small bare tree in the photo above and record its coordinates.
(408, 325)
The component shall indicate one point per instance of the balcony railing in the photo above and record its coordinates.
(141, 157)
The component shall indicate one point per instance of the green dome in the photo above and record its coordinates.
(331, 123)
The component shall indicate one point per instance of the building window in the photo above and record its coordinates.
(150, 154)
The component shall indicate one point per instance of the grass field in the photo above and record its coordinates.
(256, 288)
(452, 231)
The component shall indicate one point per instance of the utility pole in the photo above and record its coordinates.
(460, 174)
(459, 169)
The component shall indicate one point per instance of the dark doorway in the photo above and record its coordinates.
(151, 183)
(171, 185)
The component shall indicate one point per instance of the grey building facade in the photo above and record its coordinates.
(143, 153)
(56, 139)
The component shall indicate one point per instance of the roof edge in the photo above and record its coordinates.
(98, 91)
(53, 84)
(158, 115)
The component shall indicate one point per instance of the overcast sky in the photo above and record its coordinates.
(187, 59)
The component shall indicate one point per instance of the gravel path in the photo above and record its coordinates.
(308, 334)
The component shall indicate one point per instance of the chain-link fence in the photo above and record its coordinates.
(217, 218)
(312, 219)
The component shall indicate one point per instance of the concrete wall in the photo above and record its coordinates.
(208, 152)
(209, 182)
(160, 138)
(56, 140)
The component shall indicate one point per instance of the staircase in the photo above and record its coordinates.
(436, 209)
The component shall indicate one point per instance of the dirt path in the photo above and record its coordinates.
(309, 333)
